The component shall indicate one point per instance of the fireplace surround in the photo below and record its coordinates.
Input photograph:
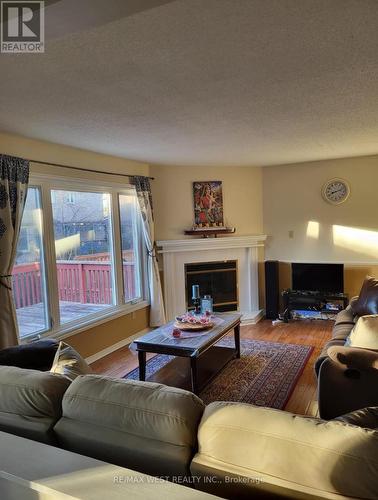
(178, 255)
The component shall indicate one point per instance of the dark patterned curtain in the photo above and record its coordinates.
(14, 178)
(143, 190)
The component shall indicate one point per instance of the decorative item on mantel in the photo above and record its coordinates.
(208, 231)
(208, 210)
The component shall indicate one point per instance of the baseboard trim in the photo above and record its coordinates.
(115, 347)
(252, 318)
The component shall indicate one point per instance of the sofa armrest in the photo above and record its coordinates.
(354, 358)
(365, 417)
(347, 381)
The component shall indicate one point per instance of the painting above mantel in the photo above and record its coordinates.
(208, 210)
(208, 204)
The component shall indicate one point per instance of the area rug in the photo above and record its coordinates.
(265, 375)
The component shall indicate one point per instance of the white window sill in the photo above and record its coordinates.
(66, 331)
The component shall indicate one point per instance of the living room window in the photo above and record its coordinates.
(85, 247)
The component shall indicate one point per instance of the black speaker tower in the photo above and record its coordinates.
(272, 289)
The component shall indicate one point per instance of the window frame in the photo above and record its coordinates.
(46, 184)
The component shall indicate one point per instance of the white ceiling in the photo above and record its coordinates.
(203, 82)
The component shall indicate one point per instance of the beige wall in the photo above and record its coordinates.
(95, 339)
(47, 151)
(102, 336)
(292, 198)
(173, 198)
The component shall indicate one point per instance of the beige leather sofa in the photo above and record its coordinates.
(230, 449)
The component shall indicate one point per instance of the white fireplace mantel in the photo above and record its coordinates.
(243, 249)
(211, 243)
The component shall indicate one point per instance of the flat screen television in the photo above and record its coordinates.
(318, 277)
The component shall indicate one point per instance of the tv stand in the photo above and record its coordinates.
(310, 301)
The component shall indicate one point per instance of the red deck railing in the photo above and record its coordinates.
(82, 281)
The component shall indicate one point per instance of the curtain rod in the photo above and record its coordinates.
(86, 169)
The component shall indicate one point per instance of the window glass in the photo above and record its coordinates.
(84, 256)
(130, 247)
(28, 276)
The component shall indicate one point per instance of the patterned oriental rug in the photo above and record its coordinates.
(265, 375)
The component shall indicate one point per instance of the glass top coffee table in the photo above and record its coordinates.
(206, 358)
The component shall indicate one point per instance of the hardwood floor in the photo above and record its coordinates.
(314, 333)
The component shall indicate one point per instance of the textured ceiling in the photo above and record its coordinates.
(206, 82)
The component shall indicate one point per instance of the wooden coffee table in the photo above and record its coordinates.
(206, 358)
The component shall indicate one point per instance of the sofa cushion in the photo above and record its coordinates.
(341, 331)
(30, 402)
(69, 363)
(38, 355)
(144, 426)
(366, 417)
(367, 302)
(365, 333)
(286, 451)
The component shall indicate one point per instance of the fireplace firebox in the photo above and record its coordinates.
(218, 279)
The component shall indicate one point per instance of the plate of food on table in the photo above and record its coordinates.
(194, 322)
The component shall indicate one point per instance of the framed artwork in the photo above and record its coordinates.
(208, 204)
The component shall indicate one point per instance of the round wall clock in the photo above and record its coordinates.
(336, 191)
